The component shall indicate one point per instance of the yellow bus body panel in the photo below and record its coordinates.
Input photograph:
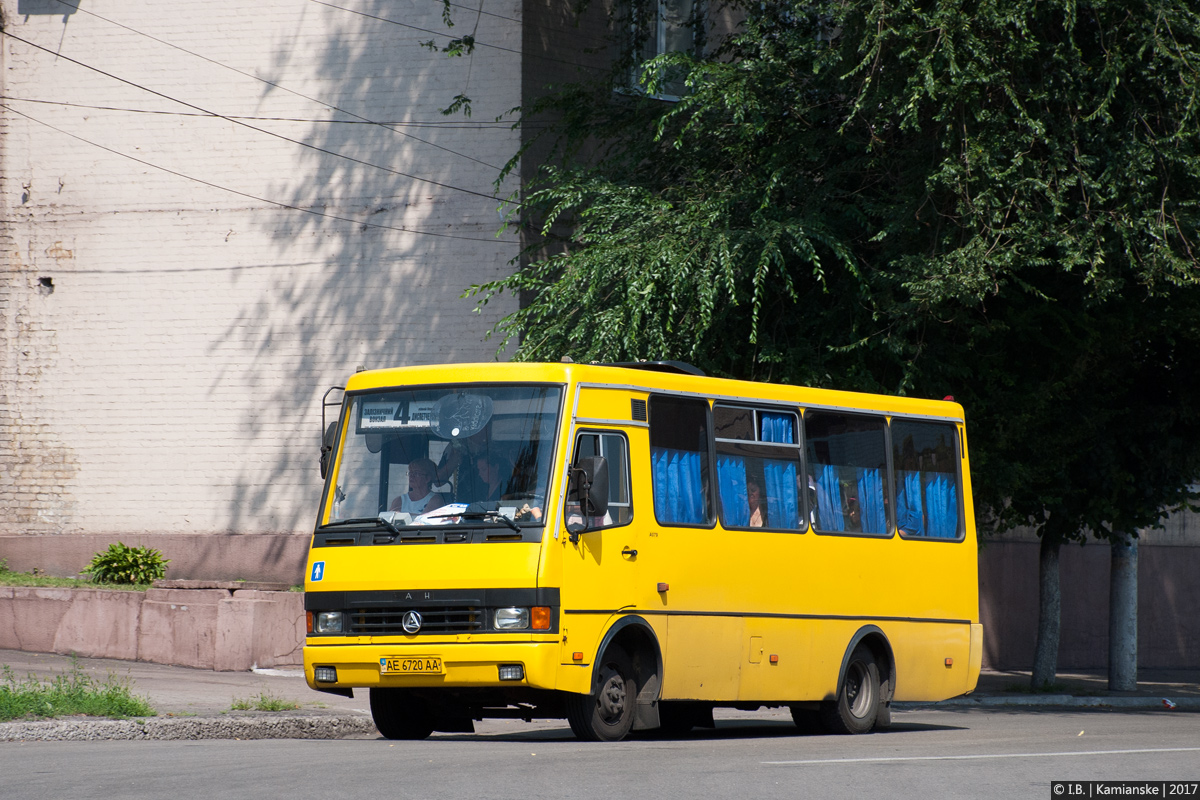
(424, 566)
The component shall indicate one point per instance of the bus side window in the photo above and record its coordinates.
(925, 460)
(847, 461)
(758, 463)
(615, 449)
(679, 469)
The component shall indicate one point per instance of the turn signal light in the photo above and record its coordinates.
(540, 618)
(949, 662)
(774, 659)
(577, 656)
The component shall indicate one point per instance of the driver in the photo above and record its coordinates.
(420, 497)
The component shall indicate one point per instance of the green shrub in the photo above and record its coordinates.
(123, 564)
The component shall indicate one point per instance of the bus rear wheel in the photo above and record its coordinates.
(857, 703)
(399, 715)
(606, 714)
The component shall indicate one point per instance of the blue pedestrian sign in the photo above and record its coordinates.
(318, 571)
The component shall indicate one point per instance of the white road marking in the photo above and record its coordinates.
(981, 755)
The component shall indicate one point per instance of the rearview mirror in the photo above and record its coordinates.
(588, 485)
(327, 443)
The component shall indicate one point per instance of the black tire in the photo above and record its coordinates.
(606, 714)
(857, 704)
(399, 715)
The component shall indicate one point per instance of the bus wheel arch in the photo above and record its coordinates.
(865, 686)
(627, 670)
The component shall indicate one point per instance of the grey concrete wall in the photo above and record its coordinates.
(1168, 596)
(221, 629)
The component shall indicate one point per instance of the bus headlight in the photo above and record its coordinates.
(511, 619)
(328, 622)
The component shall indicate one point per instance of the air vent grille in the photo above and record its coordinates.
(638, 410)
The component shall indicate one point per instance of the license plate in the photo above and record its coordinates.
(410, 665)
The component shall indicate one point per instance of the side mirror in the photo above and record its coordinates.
(588, 486)
(327, 443)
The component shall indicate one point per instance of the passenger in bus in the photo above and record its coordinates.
(457, 464)
(495, 472)
(420, 497)
(757, 504)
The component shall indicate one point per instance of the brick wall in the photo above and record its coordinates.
(164, 343)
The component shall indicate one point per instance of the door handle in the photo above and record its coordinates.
(630, 553)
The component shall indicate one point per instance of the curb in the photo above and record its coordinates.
(1061, 701)
(190, 728)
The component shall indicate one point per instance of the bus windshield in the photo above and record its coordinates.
(447, 455)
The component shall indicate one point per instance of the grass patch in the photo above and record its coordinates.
(37, 579)
(68, 694)
(264, 702)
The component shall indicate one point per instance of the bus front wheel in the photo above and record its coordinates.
(606, 714)
(399, 715)
(857, 703)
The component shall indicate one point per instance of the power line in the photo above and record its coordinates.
(247, 195)
(537, 56)
(248, 125)
(273, 84)
(307, 120)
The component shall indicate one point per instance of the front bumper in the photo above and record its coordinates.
(465, 664)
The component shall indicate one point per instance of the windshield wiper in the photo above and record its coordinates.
(476, 511)
(387, 523)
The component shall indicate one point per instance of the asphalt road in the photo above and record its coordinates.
(930, 753)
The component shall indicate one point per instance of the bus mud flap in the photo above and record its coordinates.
(646, 713)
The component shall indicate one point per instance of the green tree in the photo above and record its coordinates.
(996, 199)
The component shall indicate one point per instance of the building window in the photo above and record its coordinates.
(663, 26)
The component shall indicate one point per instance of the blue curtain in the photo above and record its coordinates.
(783, 506)
(777, 428)
(941, 501)
(829, 500)
(910, 511)
(678, 490)
(870, 501)
(731, 482)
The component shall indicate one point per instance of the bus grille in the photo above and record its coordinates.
(434, 620)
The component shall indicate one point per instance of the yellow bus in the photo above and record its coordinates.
(630, 546)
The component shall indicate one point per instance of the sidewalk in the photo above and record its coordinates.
(1179, 688)
(196, 703)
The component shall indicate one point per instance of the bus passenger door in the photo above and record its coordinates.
(600, 566)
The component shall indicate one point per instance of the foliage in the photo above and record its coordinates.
(122, 564)
(265, 701)
(996, 200)
(68, 694)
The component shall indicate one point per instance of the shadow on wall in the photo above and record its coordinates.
(29, 8)
(386, 257)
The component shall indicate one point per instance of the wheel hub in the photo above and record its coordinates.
(612, 698)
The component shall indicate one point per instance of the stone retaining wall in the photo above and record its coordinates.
(221, 627)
